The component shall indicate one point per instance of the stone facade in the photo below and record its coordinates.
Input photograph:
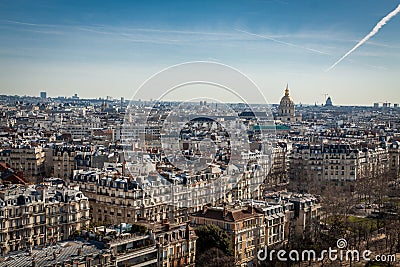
(38, 215)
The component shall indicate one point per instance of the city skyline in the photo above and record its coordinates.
(98, 48)
(76, 97)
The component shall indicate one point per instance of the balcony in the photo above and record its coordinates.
(18, 215)
(137, 253)
(146, 263)
(27, 213)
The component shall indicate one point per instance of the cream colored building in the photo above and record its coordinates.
(65, 159)
(38, 215)
(246, 227)
(115, 198)
(29, 159)
(336, 164)
(63, 163)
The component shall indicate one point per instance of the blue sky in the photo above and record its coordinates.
(100, 48)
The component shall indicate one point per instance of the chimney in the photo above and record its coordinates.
(187, 230)
(123, 168)
(249, 209)
(204, 209)
(225, 211)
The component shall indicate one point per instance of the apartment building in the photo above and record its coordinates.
(318, 166)
(176, 244)
(41, 214)
(162, 245)
(116, 198)
(275, 222)
(79, 131)
(63, 162)
(302, 211)
(246, 227)
(253, 224)
(394, 159)
(67, 158)
(27, 158)
(278, 173)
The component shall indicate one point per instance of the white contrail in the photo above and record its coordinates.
(379, 25)
(282, 42)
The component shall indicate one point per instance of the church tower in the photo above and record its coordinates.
(286, 106)
(286, 110)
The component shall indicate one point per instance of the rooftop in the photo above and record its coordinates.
(65, 251)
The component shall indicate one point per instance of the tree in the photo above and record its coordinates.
(214, 257)
(211, 236)
(138, 228)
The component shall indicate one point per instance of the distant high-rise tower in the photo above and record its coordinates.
(328, 102)
(43, 95)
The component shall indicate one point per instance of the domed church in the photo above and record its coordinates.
(286, 111)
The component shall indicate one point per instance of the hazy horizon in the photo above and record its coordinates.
(100, 48)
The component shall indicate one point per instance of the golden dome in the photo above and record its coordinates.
(286, 99)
